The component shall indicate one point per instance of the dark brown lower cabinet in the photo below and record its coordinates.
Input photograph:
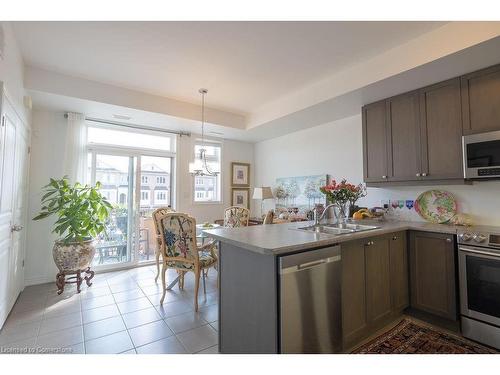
(378, 280)
(400, 297)
(374, 284)
(432, 274)
(354, 322)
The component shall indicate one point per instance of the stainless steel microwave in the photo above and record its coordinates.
(481, 155)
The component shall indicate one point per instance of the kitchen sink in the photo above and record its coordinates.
(338, 229)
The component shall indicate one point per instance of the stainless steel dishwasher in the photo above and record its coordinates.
(310, 302)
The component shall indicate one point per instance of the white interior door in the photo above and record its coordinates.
(19, 211)
(7, 173)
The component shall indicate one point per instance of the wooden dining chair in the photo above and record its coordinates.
(160, 212)
(180, 251)
(236, 216)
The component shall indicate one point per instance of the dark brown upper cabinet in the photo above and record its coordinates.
(481, 100)
(375, 142)
(441, 131)
(404, 137)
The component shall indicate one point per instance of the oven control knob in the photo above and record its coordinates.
(479, 238)
(466, 236)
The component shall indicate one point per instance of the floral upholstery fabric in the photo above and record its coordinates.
(179, 237)
(235, 217)
(206, 260)
(179, 234)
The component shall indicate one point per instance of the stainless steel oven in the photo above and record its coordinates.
(479, 279)
(481, 154)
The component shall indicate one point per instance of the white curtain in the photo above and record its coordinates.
(75, 155)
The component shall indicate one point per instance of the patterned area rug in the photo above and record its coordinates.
(411, 337)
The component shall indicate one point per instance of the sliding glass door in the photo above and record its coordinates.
(135, 184)
(155, 192)
(115, 172)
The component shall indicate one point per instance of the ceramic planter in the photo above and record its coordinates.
(73, 256)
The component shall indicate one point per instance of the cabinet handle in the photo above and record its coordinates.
(369, 243)
(424, 174)
(384, 177)
(448, 240)
(418, 175)
(394, 238)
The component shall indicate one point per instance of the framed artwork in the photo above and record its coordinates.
(301, 192)
(240, 174)
(240, 197)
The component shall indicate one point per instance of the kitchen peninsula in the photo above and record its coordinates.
(287, 290)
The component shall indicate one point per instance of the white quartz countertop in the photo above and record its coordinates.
(276, 239)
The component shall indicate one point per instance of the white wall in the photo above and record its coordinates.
(336, 148)
(12, 72)
(231, 151)
(49, 129)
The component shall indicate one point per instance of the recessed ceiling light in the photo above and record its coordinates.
(122, 117)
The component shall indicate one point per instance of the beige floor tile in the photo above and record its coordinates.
(150, 332)
(19, 332)
(92, 303)
(61, 339)
(174, 308)
(111, 344)
(170, 345)
(212, 350)
(141, 317)
(198, 339)
(185, 322)
(128, 295)
(134, 305)
(103, 327)
(60, 322)
(210, 313)
(100, 313)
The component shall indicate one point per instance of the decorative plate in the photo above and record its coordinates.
(436, 206)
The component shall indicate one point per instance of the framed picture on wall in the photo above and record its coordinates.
(240, 174)
(240, 197)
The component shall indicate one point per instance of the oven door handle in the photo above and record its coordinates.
(476, 251)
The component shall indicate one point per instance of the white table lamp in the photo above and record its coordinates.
(264, 192)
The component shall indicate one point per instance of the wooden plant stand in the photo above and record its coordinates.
(76, 279)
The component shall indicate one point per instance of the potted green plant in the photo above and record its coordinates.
(81, 212)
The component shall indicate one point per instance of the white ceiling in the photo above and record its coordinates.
(243, 64)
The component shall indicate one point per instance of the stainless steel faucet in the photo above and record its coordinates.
(318, 218)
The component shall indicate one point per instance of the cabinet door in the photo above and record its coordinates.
(432, 273)
(375, 147)
(353, 292)
(481, 100)
(441, 131)
(404, 130)
(399, 271)
(378, 281)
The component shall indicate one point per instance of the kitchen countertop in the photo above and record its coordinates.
(276, 239)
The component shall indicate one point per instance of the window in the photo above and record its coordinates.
(161, 180)
(130, 138)
(161, 195)
(208, 188)
(144, 179)
(144, 195)
(123, 198)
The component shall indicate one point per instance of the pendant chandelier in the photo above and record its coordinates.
(200, 165)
